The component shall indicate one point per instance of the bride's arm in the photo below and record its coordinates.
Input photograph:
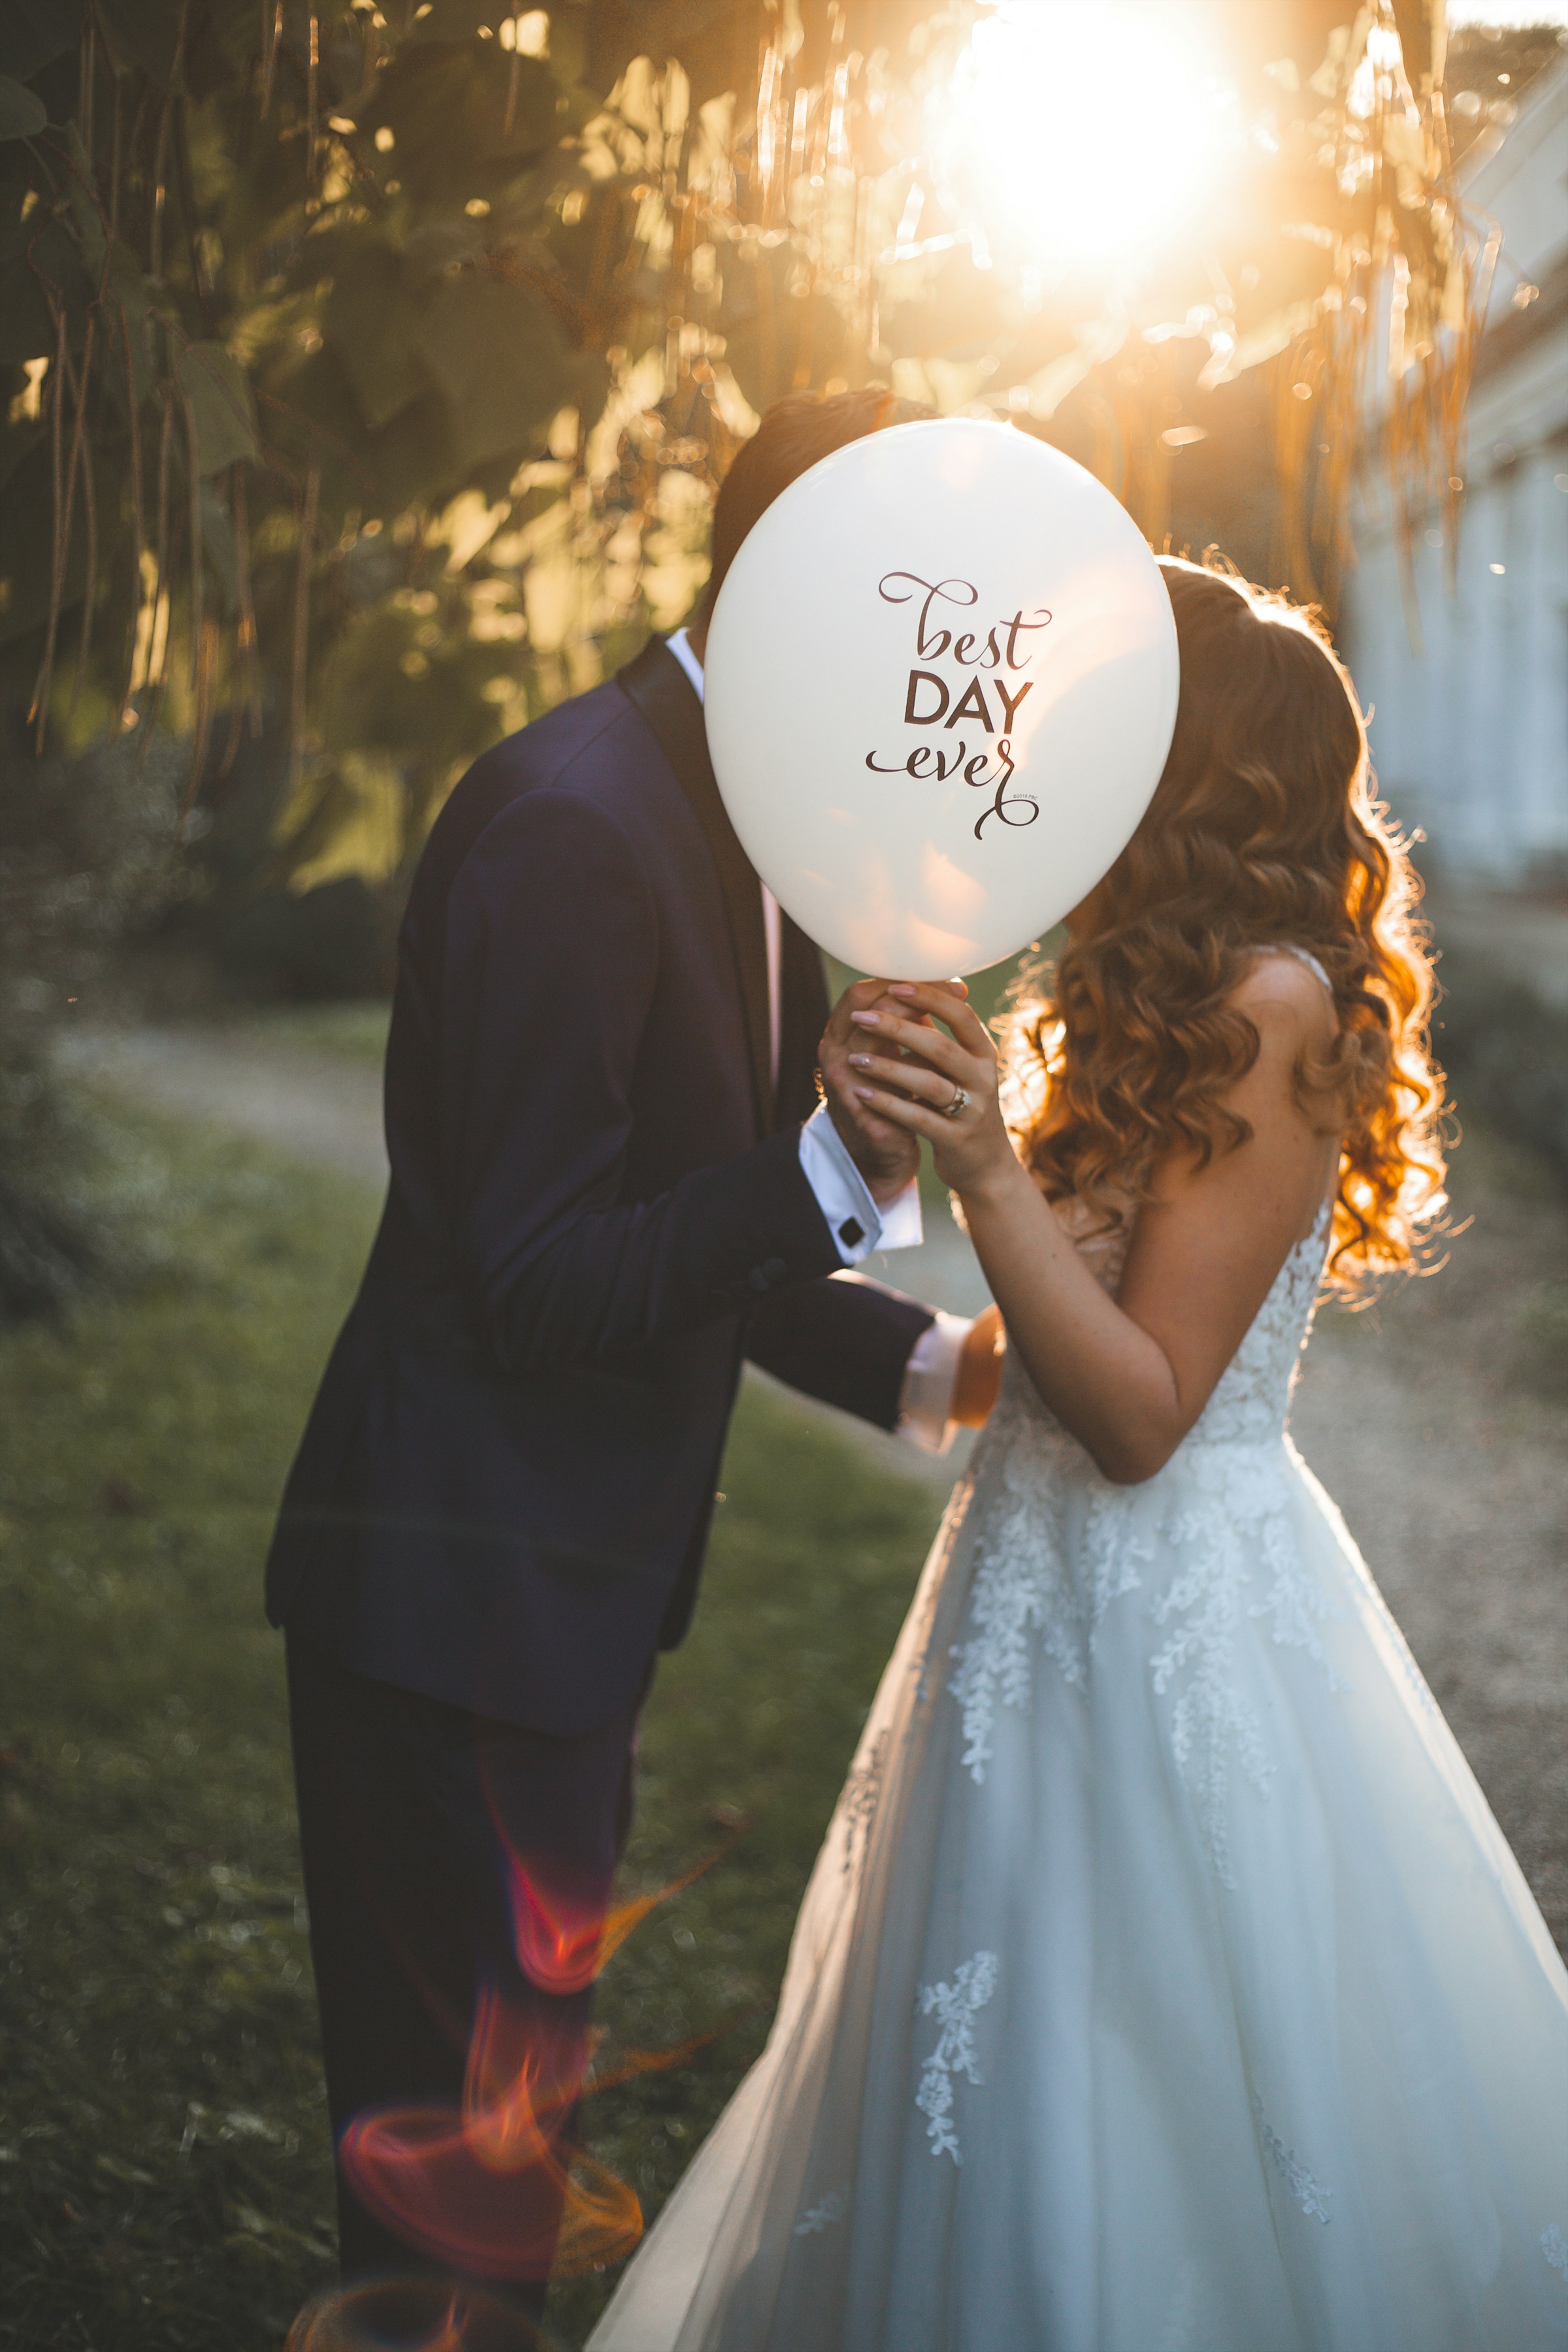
(1128, 1376)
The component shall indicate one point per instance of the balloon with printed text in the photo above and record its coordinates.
(941, 683)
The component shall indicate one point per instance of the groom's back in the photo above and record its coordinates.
(609, 819)
(474, 1495)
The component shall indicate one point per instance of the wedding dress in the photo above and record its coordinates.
(1164, 1983)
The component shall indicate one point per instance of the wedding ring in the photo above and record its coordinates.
(960, 1103)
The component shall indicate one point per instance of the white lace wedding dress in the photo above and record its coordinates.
(1164, 1983)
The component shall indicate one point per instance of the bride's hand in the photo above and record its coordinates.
(947, 1091)
(887, 1156)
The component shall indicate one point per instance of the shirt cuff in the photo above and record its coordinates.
(925, 1400)
(857, 1226)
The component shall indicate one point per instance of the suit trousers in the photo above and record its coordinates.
(410, 1813)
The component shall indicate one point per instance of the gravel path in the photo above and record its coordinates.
(1438, 1420)
(325, 1109)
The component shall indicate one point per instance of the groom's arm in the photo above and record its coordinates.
(550, 958)
(852, 1343)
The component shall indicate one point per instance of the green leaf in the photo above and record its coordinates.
(32, 259)
(149, 30)
(23, 114)
(449, 108)
(233, 37)
(411, 685)
(218, 545)
(373, 324)
(409, 460)
(19, 440)
(128, 286)
(26, 536)
(34, 32)
(81, 201)
(411, 457)
(223, 408)
(499, 354)
(459, 20)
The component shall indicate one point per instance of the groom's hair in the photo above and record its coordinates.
(794, 434)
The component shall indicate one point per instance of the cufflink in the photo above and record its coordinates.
(851, 1232)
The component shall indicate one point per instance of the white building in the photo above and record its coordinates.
(1470, 736)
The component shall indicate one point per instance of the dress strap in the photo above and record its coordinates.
(1302, 955)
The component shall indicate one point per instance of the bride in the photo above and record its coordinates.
(1164, 1983)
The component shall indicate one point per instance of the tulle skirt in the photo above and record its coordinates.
(1164, 1983)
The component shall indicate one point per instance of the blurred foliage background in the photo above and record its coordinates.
(366, 374)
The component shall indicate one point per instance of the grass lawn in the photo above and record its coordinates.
(356, 1030)
(164, 2175)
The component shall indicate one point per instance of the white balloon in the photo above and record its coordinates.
(941, 682)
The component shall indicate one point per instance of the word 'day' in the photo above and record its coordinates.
(940, 684)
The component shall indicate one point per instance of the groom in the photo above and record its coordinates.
(603, 1197)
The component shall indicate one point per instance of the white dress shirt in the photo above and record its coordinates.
(854, 1219)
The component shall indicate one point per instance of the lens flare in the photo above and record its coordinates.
(1076, 137)
(410, 2316)
(564, 1937)
(497, 2189)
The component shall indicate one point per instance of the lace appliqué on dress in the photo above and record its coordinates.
(1023, 1587)
(1242, 1522)
(1554, 2246)
(834, 2207)
(957, 2006)
(1308, 2193)
(1042, 1582)
(858, 1802)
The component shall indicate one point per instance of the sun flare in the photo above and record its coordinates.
(1082, 136)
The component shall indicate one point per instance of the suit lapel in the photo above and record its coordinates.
(804, 1017)
(663, 693)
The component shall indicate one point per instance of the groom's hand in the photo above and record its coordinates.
(887, 1156)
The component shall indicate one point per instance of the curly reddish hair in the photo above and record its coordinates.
(1263, 832)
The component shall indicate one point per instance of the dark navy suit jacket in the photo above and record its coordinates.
(597, 1207)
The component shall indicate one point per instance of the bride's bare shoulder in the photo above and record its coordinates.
(1287, 999)
(1290, 1005)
